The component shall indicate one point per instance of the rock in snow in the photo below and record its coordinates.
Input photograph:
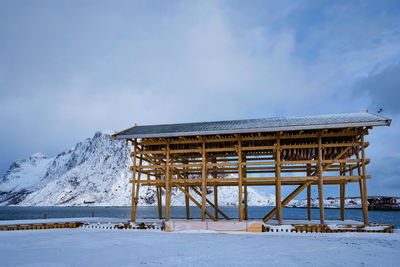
(94, 172)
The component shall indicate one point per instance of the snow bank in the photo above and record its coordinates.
(97, 247)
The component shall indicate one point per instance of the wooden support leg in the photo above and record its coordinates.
(159, 202)
(240, 184)
(133, 218)
(216, 201)
(342, 198)
(309, 194)
(342, 193)
(136, 198)
(245, 203)
(203, 183)
(320, 180)
(364, 183)
(215, 175)
(187, 204)
(167, 187)
(278, 186)
(186, 176)
(360, 182)
(245, 210)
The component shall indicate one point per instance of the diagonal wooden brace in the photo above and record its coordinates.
(194, 201)
(211, 204)
(287, 199)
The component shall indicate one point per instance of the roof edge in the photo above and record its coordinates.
(387, 122)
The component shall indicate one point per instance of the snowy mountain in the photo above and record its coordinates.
(94, 172)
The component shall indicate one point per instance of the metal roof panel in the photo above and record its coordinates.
(255, 125)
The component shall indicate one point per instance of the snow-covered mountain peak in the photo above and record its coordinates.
(37, 156)
(93, 172)
(106, 132)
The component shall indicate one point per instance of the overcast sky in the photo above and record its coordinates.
(70, 68)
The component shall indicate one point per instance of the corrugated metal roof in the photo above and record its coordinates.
(255, 125)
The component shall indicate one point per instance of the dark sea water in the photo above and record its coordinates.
(17, 213)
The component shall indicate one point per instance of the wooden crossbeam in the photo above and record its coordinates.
(190, 140)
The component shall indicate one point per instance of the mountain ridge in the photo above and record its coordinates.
(95, 172)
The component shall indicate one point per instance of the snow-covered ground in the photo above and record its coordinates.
(98, 247)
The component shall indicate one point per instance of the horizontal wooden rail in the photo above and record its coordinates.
(191, 140)
(249, 148)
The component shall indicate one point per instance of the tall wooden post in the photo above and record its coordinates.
(133, 180)
(215, 190)
(159, 198)
(309, 194)
(320, 180)
(167, 186)
(203, 182)
(245, 210)
(136, 198)
(278, 179)
(360, 182)
(364, 179)
(342, 192)
(240, 183)
(186, 176)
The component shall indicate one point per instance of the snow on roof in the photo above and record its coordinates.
(255, 125)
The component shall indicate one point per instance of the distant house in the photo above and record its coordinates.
(383, 203)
